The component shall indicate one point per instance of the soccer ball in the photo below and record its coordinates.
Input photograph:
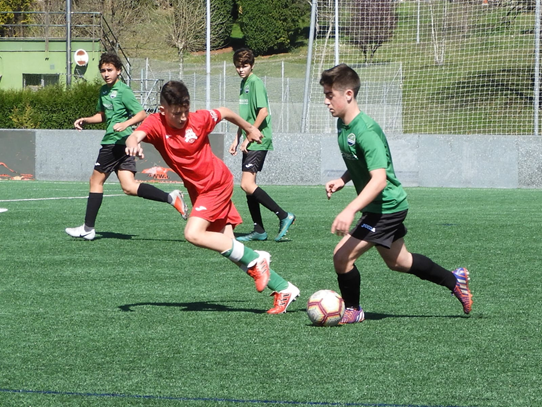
(325, 308)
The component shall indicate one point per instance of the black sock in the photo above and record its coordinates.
(426, 269)
(93, 206)
(262, 197)
(349, 284)
(148, 191)
(255, 213)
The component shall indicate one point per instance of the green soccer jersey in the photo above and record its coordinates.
(118, 104)
(364, 148)
(253, 97)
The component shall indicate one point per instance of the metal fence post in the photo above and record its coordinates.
(536, 67)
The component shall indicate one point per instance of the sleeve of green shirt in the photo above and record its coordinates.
(131, 103)
(260, 96)
(373, 150)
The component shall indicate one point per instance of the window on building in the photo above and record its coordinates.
(38, 80)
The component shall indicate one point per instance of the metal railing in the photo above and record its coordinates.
(52, 25)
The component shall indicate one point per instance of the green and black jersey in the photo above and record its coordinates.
(252, 98)
(364, 148)
(118, 103)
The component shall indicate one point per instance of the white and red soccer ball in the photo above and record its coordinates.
(325, 308)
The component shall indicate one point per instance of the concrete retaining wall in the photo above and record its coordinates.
(299, 159)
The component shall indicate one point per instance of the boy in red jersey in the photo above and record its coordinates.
(182, 139)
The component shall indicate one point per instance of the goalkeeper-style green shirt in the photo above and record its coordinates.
(364, 148)
(118, 104)
(253, 97)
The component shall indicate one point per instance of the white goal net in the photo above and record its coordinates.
(430, 66)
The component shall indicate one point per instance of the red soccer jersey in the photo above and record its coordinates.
(188, 152)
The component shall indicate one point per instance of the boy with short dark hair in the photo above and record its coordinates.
(182, 139)
(254, 108)
(381, 199)
(119, 108)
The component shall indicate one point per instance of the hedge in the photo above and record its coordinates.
(51, 107)
(270, 26)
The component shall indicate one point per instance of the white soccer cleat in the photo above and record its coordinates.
(81, 231)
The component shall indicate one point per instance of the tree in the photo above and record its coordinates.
(221, 22)
(270, 25)
(12, 9)
(123, 16)
(183, 26)
(370, 24)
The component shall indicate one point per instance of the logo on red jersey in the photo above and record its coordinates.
(213, 115)
(190, 136)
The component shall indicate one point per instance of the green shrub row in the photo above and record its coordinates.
(51, 107)
(271, 26)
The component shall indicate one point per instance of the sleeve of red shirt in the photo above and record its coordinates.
(148, 126)
(213, 119)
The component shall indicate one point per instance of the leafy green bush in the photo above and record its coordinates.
(10, 100)
(270, 26)
(221, 22)
(51, 107)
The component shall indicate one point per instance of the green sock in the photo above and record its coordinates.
(239, 253)
(276, 282)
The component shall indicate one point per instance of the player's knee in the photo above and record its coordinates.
(248, 188)
(192, 236)
(341, 263)
(189, 236)
(129, 190)
(397, 266)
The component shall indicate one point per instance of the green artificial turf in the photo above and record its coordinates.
(140, 317)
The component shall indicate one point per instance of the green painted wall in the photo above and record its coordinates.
(37, 56)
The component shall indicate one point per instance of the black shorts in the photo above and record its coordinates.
(380, 229)
(112, 157)
(253, 161)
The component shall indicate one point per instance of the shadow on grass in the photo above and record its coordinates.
(191, 306)
(113, 235)
(375, 316)
(269, 239)
(122, 236)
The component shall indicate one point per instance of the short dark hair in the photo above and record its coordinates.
(175, 93)
(243, 56)
(341, 77)
(110, 58)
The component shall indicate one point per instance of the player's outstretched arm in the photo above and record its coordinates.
(337, 184)
(343, 221)
(133, 146)
(253, 134)
(137, 118)
(97, 118)
(235, 143)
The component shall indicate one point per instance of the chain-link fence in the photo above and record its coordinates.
(445, 67)
(284, 88)
(427, 66)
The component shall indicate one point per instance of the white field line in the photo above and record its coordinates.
(50, 199)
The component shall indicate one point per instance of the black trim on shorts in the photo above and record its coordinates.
(382, 229)
(113, 157)
(253, 161)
